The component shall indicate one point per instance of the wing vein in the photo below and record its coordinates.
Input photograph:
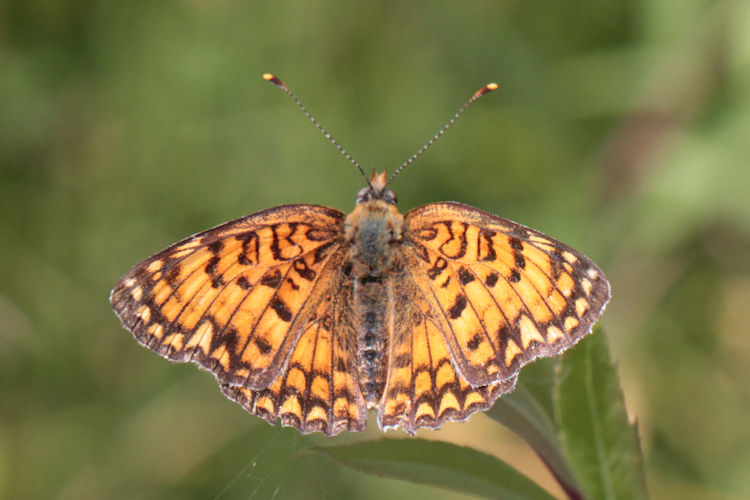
(197, 269)
(304, 304)
(481, 321)
(439, 307)
(208, 307)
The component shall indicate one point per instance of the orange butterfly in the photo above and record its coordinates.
(311, 316)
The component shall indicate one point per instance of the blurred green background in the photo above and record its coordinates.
(620, 127)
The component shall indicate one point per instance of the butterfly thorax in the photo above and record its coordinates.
(371, 230)
(373, 227)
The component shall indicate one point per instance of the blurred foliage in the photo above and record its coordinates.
(620, 128)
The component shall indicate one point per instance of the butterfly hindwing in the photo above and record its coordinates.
(503, 294)
(233, 299)
(423, 387)
(318, 389)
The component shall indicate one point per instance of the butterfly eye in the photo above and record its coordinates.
(390, 197)
(365, 194)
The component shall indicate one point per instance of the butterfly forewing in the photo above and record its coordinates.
(234, 299)
(503, 294)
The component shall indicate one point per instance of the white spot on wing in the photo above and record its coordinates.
(586, 285)
(582, 305)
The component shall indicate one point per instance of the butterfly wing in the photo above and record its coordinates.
(423, 387)
(318, 391)
(234, 299)
(502, 294)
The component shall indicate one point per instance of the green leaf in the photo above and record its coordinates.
(437, 463)
(602, 446)
(524, 413)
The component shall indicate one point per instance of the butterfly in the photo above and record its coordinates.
(311, 317)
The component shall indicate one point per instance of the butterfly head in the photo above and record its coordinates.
(377, 189)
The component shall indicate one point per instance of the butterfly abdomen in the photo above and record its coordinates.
(370, 307)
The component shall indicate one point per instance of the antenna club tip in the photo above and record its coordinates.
(272, 78)
(487, 88)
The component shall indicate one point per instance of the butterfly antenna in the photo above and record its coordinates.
(479, 93)
(271, 78)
